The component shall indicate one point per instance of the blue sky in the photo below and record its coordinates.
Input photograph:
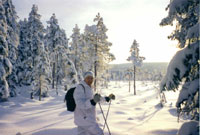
(126, 20)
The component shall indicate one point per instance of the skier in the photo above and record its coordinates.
(85, 112)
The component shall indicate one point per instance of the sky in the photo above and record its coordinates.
(126, 20)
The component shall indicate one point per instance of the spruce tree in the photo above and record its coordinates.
(12, 29)
(13, 42)
(38, 56)
(183, 69)
(41, 72)
(21, 66)
(5, 64)
(33, 63)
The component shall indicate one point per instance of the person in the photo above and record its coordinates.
(85, 112)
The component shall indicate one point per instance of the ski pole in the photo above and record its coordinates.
(107, 115)
(104, 118)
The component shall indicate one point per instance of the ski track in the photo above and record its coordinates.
(129, 114)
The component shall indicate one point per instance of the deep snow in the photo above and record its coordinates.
(129, 114)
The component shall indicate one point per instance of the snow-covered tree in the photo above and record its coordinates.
(57, 45)
(21, 66)
(77, 50)
(74, 45)
(12, 40)
(65, 68)
(98, 48)
(55, 40)
(41, 72)
(136, 59)
(38, 58)
(33, 60)
(89, 32)
(71, 74)
(62, 52)
(5, 64)
(51, 41)
(183, 69)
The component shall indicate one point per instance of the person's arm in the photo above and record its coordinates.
(80, 98)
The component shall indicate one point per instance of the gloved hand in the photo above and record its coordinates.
(112, 96)
(107, 99)
(97, 98)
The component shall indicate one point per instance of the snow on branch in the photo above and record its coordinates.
(189, 89)
(177, 5)
(193, 32)
(178, 67)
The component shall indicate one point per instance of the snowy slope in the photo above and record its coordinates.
(129, 114)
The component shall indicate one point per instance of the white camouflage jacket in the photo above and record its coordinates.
(85, 112)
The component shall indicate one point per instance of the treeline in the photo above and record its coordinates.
(153, 71)
(35, 56)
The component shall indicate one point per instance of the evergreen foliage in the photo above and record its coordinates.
(183, 69)
(5, 64)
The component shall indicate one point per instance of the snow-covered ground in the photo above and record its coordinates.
(129, 114)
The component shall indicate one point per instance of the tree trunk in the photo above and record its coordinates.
(53, 75)
(56, 75)
(57, 79)
(95, 69)
(32, 95)
(75, 64)
(134, 81)
(95, 76)
(129, 82)
(33, 61)
(40, 88)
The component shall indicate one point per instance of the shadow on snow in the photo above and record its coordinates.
(56, 132)
(164, 132)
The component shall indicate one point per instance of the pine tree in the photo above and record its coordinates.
(183, 69)
(57, 43)
(54, 41)
(5, 64)
(135, 59)
(98, 49)
(84, 60)
(21, 66)
(89, 33)
(77, 50)
(13, 42)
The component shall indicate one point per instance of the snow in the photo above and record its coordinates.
(175, 63)
(188, 128)
(129, 114)
(188, 90)
(175, 4)
(135, 58)
(177, 67)
(193, 32)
